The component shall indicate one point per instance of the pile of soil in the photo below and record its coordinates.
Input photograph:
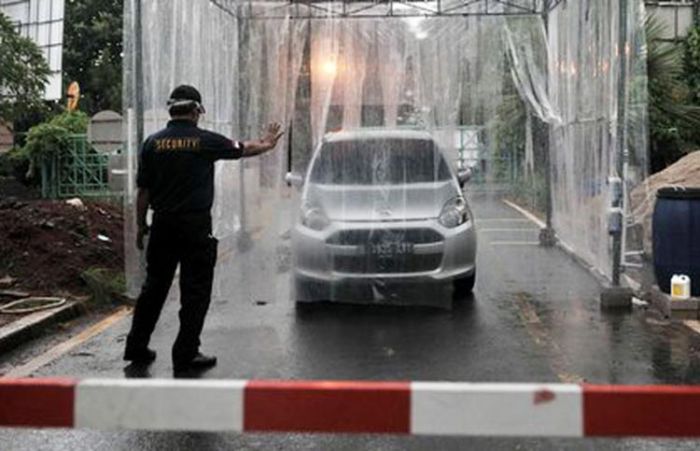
(47, 245)
(10, 187)
(685, 172)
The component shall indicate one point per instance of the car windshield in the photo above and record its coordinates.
(379, 162)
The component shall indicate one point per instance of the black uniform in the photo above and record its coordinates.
(176, 165)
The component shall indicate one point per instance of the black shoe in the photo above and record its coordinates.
(137, 371)
(140, 356)
(199, 362)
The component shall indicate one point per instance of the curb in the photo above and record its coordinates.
(673, 309)
(405, 408)
(32, 326)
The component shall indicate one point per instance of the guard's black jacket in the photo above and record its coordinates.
(176, 165)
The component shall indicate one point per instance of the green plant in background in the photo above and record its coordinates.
(510, 132)
(673, 118)
(691, 63)
(6, 163)
(45, 140)
(508, 164)
(23, 73)
(510, 137)
(50, 138)
(76, 122)
(107, 287)
(92, 52)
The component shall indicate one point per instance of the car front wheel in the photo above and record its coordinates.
(464, 286)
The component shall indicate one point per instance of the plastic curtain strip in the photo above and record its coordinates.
(380, 113)
(584, 78)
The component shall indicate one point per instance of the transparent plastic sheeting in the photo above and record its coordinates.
(382, 114)
(594, 137)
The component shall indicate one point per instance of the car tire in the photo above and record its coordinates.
(464, 286)
(302, 307)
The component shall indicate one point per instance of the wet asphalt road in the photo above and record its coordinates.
(534, 317)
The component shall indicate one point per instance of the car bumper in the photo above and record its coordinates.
(321, 262)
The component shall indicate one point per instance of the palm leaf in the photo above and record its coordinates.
(668, 93)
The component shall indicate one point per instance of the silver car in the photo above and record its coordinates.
(381, 210)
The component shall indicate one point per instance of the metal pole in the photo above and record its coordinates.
(138, 72)
(243, 241)
(621, 141)
(547, 235)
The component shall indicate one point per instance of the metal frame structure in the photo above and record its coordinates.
(349, 9)
(363, 9)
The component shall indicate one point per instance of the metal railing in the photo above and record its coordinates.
(78, 170)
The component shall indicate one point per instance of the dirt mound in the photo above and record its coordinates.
(685, 172)
(10, 187)
(47, 245)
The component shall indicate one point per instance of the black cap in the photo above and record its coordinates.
(184, 99)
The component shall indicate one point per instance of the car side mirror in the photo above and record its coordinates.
(294, 179)
(464, 175)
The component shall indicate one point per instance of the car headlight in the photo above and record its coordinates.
(454, 213)
(313, 217)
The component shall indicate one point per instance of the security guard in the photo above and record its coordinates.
(176, 179)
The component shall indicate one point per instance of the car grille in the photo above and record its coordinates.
(364, 264)
(362, 237)
(368, 263)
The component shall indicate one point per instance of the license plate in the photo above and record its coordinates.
(390, 249)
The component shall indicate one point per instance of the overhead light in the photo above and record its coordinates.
(329, 68)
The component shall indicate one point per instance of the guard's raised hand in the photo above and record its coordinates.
(271, 134)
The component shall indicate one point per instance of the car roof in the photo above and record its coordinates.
(378, 133)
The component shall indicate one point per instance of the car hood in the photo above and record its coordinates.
(381, 203)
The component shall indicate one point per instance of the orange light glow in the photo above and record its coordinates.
(329, 68)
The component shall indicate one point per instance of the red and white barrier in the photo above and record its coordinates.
(419, 408)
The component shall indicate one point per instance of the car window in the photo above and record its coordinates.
(379, 162)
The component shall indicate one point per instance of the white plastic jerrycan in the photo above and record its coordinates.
(680, 287)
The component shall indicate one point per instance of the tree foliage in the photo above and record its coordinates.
(51, 138)
(92, 53)
(673, 119)
(692, 62)
(23, 73)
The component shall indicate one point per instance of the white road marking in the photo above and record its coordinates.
(525, 213)
(480, 220)
(514, 243)
(63, 348)
(523, 229)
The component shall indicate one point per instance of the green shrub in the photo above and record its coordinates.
(674, 114)
(106, 286)
(51, 138)
(691, 65)
(691, 62)
(530, 193)
(45, 140)
(15, 163)
(75, 122)
(6, 167)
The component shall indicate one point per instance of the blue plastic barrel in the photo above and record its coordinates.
(676, 231)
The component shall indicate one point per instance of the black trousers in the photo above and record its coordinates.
(187, 240)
